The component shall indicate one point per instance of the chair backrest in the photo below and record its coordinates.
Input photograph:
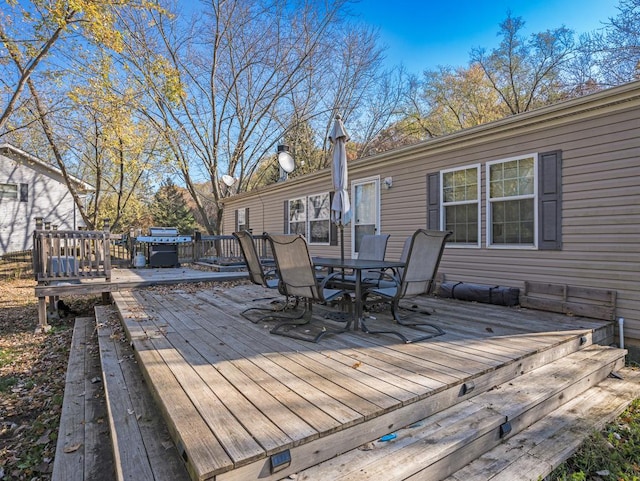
(422, 260)
(294, 265)
(251, 258)
(373, 248)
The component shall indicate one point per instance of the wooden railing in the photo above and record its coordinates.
(65, 255)
(219, 249)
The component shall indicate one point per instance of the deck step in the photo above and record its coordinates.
(439, 445)
(82, 450)
(533, 453)
(142, 447)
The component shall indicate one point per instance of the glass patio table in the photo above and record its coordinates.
(357, 265)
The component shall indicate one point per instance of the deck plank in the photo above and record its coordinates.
(132, 462)
(69, 460)
(291, 381)
(163, 458)
(242, 397)
(205, 455)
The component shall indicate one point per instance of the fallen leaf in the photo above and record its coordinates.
(72, 448)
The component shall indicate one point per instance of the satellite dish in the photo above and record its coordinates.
(228, 180)
(286, 160)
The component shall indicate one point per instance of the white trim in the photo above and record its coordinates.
(534, 196)
(41, 163)
(328, 219)
(478, 167)
(304, 200)
(375, 179)
(307, 220)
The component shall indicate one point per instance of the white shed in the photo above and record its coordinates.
(30, 188)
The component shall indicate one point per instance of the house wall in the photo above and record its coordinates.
(48, 197)
(598, 137)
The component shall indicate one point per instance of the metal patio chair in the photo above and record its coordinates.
(298, 277)
(258, 275)
(373, 248)
(423, 253)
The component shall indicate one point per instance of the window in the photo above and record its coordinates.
(523, 202)
(511, 202)
(24, 192)
(298, 216)
(242, 220)
(8, 191)
(461, 205)
(310, 217)
(319, 218)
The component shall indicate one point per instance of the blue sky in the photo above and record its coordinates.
(423, 34)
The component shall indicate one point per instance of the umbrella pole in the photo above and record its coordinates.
(342, 248)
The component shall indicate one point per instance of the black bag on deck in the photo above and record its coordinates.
(499, 295)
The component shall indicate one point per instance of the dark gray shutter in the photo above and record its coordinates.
(550, 201)
(246, 219)
(433, 201)
(285, 229)
(24, 192)
(333, 229)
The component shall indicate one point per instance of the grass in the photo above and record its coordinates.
(611, 454)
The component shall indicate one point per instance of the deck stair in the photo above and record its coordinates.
(82, 450)
(141, 444)
(504, 432)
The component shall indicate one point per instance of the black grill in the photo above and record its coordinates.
(162, 246)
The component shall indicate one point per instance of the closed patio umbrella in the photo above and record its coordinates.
(340, 206)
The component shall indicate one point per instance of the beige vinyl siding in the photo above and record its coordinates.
(600, 145)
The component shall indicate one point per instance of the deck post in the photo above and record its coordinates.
(43, 326)
(106, 246)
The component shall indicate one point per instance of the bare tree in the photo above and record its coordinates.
(611, 55)
(526, 72)
(226, 85)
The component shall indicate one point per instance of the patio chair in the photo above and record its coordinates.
(423, 252)
(258, 275)
(373, 248)
(298, 277)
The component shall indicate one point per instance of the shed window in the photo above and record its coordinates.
(511, 199)
(8, 191)
(461, 205)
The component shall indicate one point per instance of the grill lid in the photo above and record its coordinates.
(163, 231)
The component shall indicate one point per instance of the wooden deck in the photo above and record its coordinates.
(122, 280)
(237, 399)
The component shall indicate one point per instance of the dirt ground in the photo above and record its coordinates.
(32, 374)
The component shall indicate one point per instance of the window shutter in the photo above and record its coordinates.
(246, 219)
(285, 228)
(24, 192)
(333, 229)
(433, 201)
(550, 201)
